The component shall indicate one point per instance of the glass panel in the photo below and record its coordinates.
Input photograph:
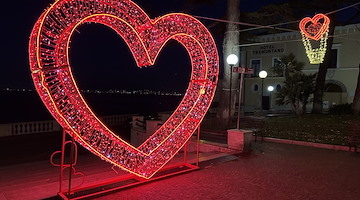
(333, 59)
(255, 64)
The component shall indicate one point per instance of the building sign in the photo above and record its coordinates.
(243, 70)
(268, 49)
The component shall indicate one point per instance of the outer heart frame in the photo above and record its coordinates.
(324, 25)
(53, 79)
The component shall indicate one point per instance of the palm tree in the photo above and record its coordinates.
(287, 65)
(297, 85)
(296, 91)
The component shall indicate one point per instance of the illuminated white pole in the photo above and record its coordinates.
(240, 94)
(262, 75)
(270, 89)
(232, 59)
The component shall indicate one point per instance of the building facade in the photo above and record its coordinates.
(341, 77)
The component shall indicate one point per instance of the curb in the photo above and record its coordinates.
(309, 144)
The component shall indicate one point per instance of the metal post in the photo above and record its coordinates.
(185, 152)
(269, 100)
(71, 163)
(239, 106)
(230, 100)
(62, 160)
(198, 146)
(262, 94)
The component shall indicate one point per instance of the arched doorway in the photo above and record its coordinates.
(334, 93)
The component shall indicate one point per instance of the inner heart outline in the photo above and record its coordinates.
(307, 21)
(51, 72)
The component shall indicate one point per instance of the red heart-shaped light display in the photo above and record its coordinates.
(51, 72)
(314, 27)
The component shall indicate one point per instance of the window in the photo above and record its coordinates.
(255, 88)
(275, 60)
(278, 87)
(255, 64)
(334, 60)
(275, 67)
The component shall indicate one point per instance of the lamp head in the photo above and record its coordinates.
(232, 59)
(270, 88)
(263, 74)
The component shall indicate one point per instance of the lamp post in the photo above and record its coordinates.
(231, 60)
(270, 89)
(262, 75)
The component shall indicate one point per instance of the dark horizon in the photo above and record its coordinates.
(100, 58)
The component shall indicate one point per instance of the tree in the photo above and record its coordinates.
(296, 91)
(226, 108)
(356, 101)
(288, 65)
(321, 75)
(297, 86)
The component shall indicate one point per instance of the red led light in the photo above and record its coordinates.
(315, 27)
(53, 79)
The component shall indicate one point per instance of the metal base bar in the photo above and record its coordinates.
(122, 183)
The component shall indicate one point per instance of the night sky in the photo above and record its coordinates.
(99, 58)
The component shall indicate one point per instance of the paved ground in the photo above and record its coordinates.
(270, 171)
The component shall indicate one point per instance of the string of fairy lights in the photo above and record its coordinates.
(316, 28)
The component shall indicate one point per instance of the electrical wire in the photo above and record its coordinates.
(272, 26)
(299, 40)
(344, 8)
(244, 23)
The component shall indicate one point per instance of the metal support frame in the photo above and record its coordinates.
(63, 165)
(262, 94)
(72, 193)
(240, 95)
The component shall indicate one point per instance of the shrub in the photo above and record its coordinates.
(341, 109)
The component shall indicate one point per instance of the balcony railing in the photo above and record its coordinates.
(33, 127)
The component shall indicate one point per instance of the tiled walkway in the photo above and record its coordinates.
(270, 171)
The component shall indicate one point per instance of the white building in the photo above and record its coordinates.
(341, 78)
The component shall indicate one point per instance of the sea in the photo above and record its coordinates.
(24, 106)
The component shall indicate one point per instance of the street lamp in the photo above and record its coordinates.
(270, 89)
(231, 60)
(262, 75)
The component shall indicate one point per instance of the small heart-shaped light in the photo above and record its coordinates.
(314, 27)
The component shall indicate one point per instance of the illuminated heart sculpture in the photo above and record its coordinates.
(51, 73)
(315, 27)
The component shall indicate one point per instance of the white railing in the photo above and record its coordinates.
(116, 119)
(22, 128)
